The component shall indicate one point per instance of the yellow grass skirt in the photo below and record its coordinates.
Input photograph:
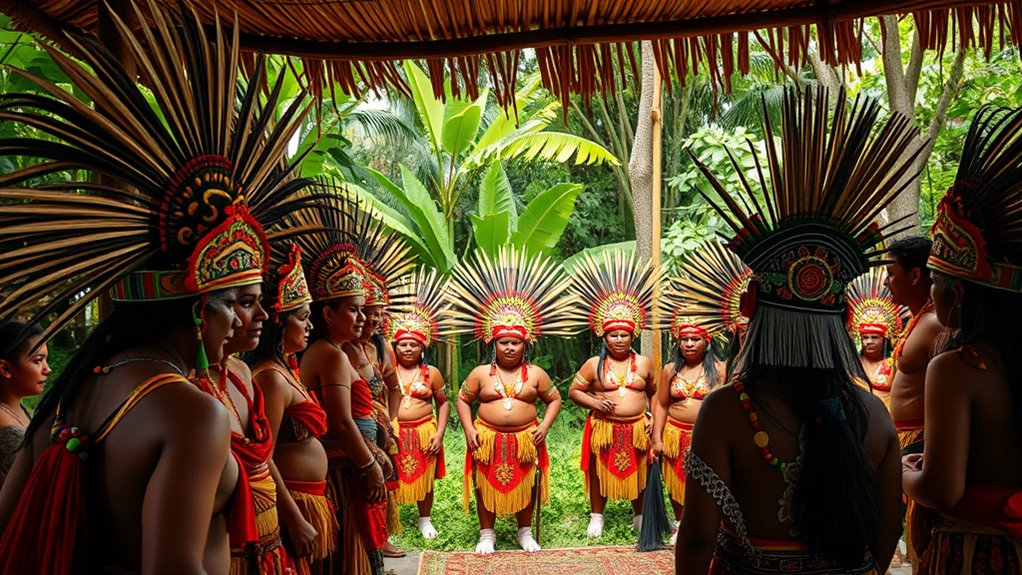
(621, 450)
(504, 467)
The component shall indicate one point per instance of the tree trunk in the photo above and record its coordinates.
(640, 171)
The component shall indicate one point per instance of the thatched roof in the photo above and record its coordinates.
(356, 42)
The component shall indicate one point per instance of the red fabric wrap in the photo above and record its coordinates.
(47, 533)
(251, 453)
(587, 444)
(505, 444)
(361, 399)
(998, 506)
(371, 517)
(686, 442)
(623, 444)
(309, 415)
(306, 487)
(408, 446)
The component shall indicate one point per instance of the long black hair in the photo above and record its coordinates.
(130, 325)
(13, 336)
(992, 316)
(836, 506)
(709, 363)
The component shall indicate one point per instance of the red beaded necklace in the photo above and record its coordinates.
(908, 330)
(760, 437)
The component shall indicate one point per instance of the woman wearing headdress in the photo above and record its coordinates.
(358, 467)
(696, 310)
(387, 258)
(793, 466)
(875, 320)
(420, 457)
(509, 302)
(616, 386)
(173, 250)
(23, 373)
(970, 471)
(295, 416)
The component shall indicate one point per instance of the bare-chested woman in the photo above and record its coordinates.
(508, 301)
(615, 293)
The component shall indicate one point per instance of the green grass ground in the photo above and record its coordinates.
(564, 520)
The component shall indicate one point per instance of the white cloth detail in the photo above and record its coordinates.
(525, 540)
(487, 541)
(426, 528)
(595, 525)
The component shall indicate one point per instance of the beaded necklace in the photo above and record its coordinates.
(406, 389)
(15, 415)
(507, 393)
(908, 330)
(682, 387)
(620, 382)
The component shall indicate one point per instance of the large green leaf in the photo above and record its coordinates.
(393, 219)
(491, 231)
(430, 109)
(462, 126)
(423, 211)
(544, 219)
(495, 195)
(557, 147)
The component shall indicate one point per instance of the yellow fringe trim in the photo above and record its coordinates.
(612, 486)
(418, 489)
(317, 511)
(520, 497)
(354, 557)
(672, 451)
(393, 514)
(264, 496)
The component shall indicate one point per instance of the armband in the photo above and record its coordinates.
(467, 395)
(551, 394)
(580, 383)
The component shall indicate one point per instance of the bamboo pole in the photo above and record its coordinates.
(658, 129)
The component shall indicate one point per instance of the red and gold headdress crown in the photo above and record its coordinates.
(871, 308)
(427, 315)
(976, 232)
(614, 293)
(810, 227)
(329, 245)
(287, 278)
(706, 301)
(197, 170)
(512, 295)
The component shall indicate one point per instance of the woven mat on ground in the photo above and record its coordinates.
(580, 561)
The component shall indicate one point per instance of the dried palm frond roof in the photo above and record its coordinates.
(356, 42)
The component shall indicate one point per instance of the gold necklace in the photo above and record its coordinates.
(15, 415)
(505, 392)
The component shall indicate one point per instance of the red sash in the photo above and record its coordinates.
(309, 415)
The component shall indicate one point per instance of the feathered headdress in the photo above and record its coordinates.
(203, 164)
(871, 308)
(615, 292)
(513, 295)
(387, 256)
(814, 229)
(706, 301)
(285, 278)
(977, 235)
(427, 317)
(330, 255)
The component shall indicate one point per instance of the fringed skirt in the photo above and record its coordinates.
(416, 468)
(504, 468)
(317, 509)
(621, 450)
(677, 440)
(267, 556)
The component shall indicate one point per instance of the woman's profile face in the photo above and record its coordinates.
(296, 331)
(346, 318)
(374, 320)
(24, 373)
(252, 315)
(219, 322)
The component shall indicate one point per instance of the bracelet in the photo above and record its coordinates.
(372, 461)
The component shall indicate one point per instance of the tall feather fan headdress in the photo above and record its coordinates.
(204, 164)
(977, 235)
(872, 309)
(615, 292)
(706, 301)
(427, 317)
(512, 295)
(813, 228)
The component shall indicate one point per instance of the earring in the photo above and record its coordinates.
(198, 311)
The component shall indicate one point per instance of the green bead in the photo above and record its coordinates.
(73, 444)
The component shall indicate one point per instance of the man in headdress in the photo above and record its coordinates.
(875, 320)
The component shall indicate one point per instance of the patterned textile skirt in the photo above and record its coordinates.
(775, 557)
(621, 450)
(677, 440)
(266, 556)
(504, 468)
(961, 548)
(416, 468)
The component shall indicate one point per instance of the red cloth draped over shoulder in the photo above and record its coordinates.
(998, 506)
(309, 415)
(361, 399)
(48, 532)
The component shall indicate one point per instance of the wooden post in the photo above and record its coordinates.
(658, 128)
